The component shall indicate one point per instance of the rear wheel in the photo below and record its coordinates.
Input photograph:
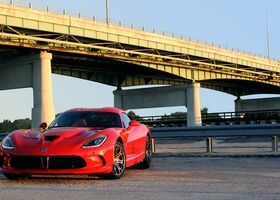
(15, 176)
(119, 163)
(146, 163)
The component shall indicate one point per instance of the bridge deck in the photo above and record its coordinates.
(178, 60)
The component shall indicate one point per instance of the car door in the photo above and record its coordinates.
(133, 138)
(128, 138)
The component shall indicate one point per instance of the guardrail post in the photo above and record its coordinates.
(209, 144)
(153, 143)
(274, 143)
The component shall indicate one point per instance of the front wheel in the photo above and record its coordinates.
(15, 176)
(119, 163)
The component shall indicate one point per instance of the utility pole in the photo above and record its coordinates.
(267, 29)
(107, 12)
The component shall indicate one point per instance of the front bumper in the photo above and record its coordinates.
(86, 162)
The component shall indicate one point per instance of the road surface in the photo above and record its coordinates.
(168, 178)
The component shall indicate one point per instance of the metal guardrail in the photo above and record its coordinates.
(210, 132)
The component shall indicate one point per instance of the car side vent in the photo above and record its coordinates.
(51, 138)
(1, 161)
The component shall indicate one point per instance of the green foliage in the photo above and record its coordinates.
(205, 114)
(132, 115)
(7, 126)
(183, 114)
(175, 115)
(204, 111)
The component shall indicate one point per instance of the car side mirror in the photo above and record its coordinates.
(134, 123)
(43, 125)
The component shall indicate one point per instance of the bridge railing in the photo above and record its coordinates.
(56, 10)
(61, 11)
(217, 117)
(264, 114)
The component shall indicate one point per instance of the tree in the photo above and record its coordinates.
(133, 115)
(176, 116)
(22, 124)
(204, 111)
(7, 126)
(205, 114)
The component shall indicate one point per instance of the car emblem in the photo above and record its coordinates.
(44, 149)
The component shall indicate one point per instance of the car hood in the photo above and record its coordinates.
(52, 137)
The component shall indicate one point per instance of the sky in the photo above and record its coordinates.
(238, 24)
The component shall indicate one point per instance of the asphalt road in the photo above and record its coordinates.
(168, 178)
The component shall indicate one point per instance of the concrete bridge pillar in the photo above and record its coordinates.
(193, 105)
(187, 95)
(43, 107)
(31, 71)
(272, 103)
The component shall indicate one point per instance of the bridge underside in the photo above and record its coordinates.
(123, 74)
(124, 57)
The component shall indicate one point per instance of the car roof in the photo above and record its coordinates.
(105, 109)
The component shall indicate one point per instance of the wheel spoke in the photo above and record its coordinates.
(148, 148)
(119, 161)
(118, 155)
(119, 168)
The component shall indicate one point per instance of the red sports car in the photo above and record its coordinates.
(100, 142)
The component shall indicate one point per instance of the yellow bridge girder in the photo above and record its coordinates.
(148, 58)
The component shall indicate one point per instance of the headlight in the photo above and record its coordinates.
(95, 142)
(7, 143)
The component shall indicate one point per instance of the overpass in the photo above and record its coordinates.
(36, 41)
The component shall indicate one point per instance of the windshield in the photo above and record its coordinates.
(87, 119)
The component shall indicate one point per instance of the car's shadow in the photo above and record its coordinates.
(64, 178)
(56, 178)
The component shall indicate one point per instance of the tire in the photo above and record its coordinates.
(119, 163)
(146, 163)
(15, 176)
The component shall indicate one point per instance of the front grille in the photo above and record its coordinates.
(47, 162)
(1, 161)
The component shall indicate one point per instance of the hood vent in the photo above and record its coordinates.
(50, 138)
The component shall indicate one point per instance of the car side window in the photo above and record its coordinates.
(126, 120)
